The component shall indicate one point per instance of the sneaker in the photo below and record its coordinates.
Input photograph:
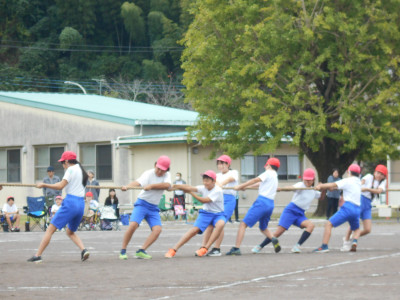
(346, 245)
(201, 252)
(234, 251)
(16, 229)
(237, 221)
(296, 249)
(13, 229)
(321, 249)
(353, 247)
(214, 252)
(35, 259)
(84, 255)
(256, 249)
(276, 245)
(123, 256)
(142, 254)
(170, 254)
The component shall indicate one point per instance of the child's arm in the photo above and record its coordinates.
(132, 184)
(184, 187)
(201, 199)
(157, 186)
(325, 186)
(249, 183)
(55, 186)
(226, 181)
(373, 191)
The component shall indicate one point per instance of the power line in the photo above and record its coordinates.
(134, 50)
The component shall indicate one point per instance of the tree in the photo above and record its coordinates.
(134, 23)
(323, 74)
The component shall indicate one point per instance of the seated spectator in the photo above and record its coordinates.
(11, 214)
(112, 200)
(56, 206)
(93, 207)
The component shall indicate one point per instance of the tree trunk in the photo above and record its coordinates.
(327, 158)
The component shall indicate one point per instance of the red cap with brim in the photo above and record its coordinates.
(67, 155)
(211, 174)
(273, 161)
(89, 194)
(355, 168)
(308, 174)
(382, 169)
(163, 163)
(225, 158)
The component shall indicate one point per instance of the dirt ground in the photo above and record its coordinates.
(372, 272)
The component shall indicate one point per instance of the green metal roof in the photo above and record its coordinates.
(164, 138)
(103, 108)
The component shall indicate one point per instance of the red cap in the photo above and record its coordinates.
(59, 197)
(273, 161)
(225, 158)
(67, 155)
(89, 194)
(10, 197)
(211, 174)
(382, 169)
(355, 168)
(308, 174)
(163, 162)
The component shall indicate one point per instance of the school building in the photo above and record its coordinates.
(118, 139)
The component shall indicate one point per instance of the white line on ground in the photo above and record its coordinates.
(288, 274)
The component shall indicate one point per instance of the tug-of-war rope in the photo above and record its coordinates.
(282, 189)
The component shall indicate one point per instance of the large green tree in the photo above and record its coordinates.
(322, 74)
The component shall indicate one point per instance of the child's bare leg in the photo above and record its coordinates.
(240, 234)
(155, 233)
(207, 234)
(186, 237)
(128, 234)
(216, 233)
(327, 232)
(75, 238)
(46, 239)
(367, 226)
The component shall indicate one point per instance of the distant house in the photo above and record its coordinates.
(118, 139)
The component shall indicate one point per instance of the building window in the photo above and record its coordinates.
(10, 165)
(97, 158)
(290, 167)
(45, 157)
(252, 166)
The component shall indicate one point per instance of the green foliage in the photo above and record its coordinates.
(323, 73)
(108, 38)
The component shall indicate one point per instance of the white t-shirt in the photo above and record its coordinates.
(150, 177)
(54, 208)
(351, 187)
(268, 184)
(231, 173)
(368, 184)
(74, 177)
(217, 197)
(303, 198)
(94, 204)
(9, 209)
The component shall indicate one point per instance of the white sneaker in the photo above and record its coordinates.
(256, 249)
(346, 245)
(296, 249)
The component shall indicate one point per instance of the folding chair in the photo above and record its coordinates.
(108, 215)
(49, 200)
(164, 210)
(36, 210)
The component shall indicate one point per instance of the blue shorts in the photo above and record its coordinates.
(145, 210)
(229, 205)
(365, 208)
(260, 211)
(348, 212)
(70, 212)
(206, 218)
(292, 214)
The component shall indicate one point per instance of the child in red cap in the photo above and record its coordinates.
(350, 211)
(212, 213)
(153, 182)
(262, 208)
(371, 185)
(294, 213)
